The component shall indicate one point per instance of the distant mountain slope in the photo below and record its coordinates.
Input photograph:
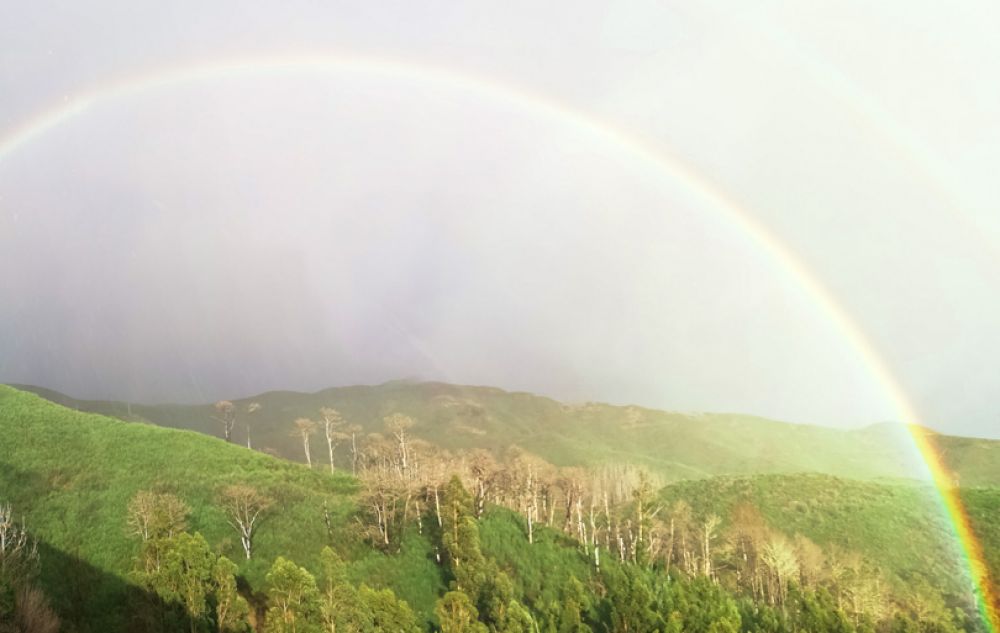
(901, 526)
(900, 529)
(675, 445)
(71, 476)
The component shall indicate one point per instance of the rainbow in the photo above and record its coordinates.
(704, 192)
(984, 590)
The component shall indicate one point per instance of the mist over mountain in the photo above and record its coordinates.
(675, 445)
(644, 207)
(696, 306)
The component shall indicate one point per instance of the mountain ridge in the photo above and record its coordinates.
(675, 445)
(73, 473)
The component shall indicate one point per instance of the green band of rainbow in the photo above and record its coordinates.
(704, 192)
(987, 598)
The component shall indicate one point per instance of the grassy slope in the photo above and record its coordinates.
(72, 474)
(676, 445)
(983, 507)
(900, 526)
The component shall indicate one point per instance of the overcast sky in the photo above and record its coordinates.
(226, 234)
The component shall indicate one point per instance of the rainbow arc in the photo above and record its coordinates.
(703, 192)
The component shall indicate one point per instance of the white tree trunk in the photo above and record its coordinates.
(329, 446)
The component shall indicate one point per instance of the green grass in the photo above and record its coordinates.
(410, 573)
(900, 526)
(539, 570)
(72, 475)
(675, 445)
(983, 507)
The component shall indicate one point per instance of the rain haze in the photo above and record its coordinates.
(631, 203)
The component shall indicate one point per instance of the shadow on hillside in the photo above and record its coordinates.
(87, 599)
(91, 600)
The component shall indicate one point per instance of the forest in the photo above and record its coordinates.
(383, 531)
(499, 317)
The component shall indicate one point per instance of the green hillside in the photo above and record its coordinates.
(71, 475)
(900, 526)
(674, 445)
(896, 532)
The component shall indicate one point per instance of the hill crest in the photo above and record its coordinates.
(675, 445)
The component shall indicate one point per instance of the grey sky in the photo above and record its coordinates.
(227, 235)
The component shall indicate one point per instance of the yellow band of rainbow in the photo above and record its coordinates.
(704, 192)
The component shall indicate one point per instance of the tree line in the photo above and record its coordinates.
(612, 513)
(630, 561)
(615, 511)
(194, 589)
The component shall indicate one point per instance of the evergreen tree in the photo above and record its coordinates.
(457, 614)
(388, 613)
(293, 597)
(631, 603)
(495, 597)
(460, 539)
(705, 606)
(341, 607)
(185, 575)
(573, 604)
(231, 608)
(519, 619)
(817, 611)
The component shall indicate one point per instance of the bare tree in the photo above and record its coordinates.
(225, 414)
(156, 515)
(708, 526)
(398, 424)
(252, 408)
(32, 613)
(18, 551)
(332, 423)
(680, 545)
(435, 476)
(747, 534)
(353, 431)
(871, 597)
(376, 455)
(245, 506)
(811, 562)
(482, 468)
(380, 496)
(304, 427)
(779, 557)
(837, 568)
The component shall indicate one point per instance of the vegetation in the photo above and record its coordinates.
(73, 477)
(150, 529)
(672, 445)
